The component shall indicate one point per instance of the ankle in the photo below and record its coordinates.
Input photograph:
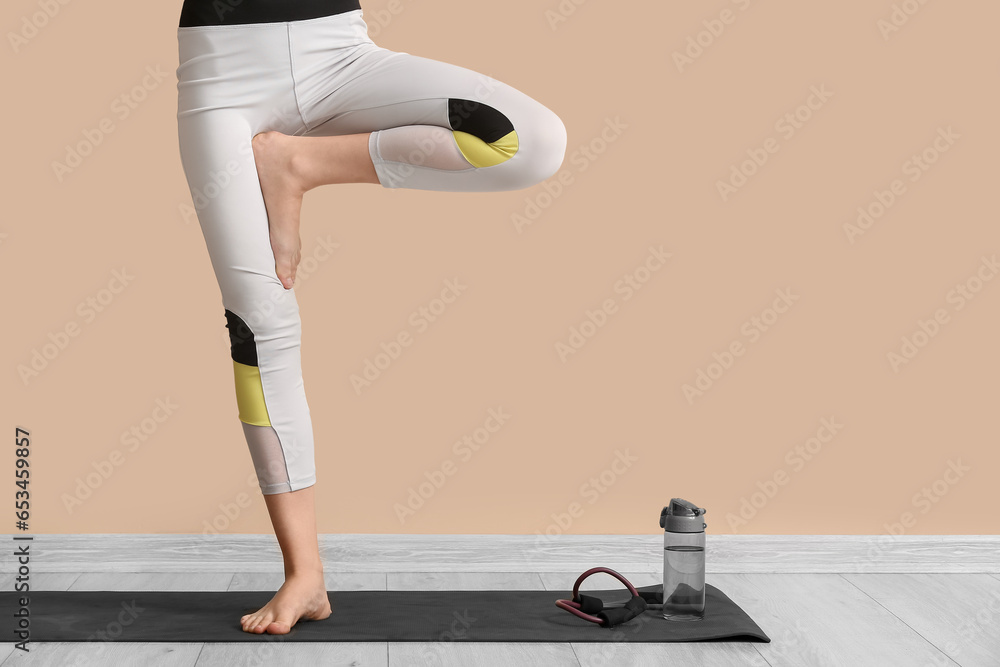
(304, 571)
(301, 173)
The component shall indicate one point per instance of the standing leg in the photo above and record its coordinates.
(265, 337)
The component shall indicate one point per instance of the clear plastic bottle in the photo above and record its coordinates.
(683, 561)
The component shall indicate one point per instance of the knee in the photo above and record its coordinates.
(542, 148)
(265, 314)
(534, 149)
(547, 140)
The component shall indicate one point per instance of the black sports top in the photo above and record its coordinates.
(235, 12)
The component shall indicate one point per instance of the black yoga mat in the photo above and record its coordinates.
(362, 616)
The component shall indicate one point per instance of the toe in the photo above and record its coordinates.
(279, 628)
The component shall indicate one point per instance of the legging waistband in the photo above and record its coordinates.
(236, 12)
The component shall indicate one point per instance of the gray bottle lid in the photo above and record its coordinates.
(681, 516)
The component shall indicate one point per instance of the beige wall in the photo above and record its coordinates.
(888, 98)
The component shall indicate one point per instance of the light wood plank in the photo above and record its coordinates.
(464, 581)
(104, 654)
(152, 581)
(822, 619)
(563, 581)
(518, 553)
(272, 652)
(480, 654)
(958, 613)
(43, 581)
(689, 654)
(335, 581)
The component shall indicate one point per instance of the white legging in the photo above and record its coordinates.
(434, 126)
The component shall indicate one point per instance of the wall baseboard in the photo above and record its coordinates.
(127, 552)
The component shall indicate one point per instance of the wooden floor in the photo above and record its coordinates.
(817, 619)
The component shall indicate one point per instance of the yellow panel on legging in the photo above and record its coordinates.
(250, 395)
(482, 154)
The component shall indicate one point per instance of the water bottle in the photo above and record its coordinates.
(683, 561)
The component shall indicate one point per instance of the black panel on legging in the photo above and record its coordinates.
(236, 12)
(241, 343)
(478, 119)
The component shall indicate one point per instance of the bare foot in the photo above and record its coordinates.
(282, 190)
(301, 596)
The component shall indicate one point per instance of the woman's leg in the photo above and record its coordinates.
(303, 594)
(414, 122)
(265, 334)
(398, 120)
(233, 84)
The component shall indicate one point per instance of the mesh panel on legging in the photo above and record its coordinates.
(427, 145)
